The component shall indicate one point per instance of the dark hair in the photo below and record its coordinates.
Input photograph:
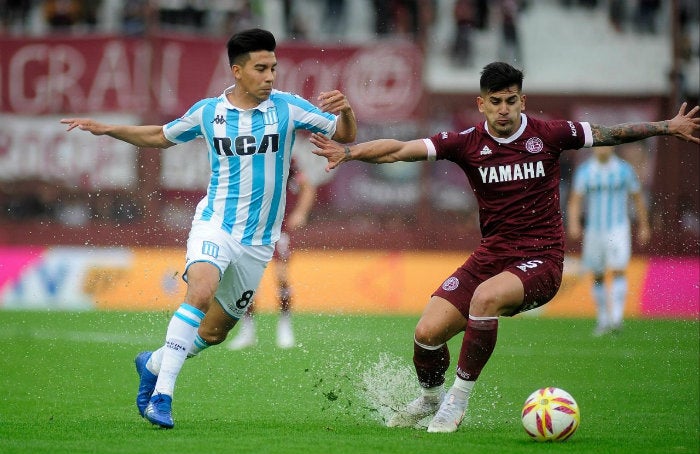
(498, 75)
(242, 43)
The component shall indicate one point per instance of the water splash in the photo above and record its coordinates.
(386, 386)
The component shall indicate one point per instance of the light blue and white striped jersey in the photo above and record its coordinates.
(606, 187)
(249, 153)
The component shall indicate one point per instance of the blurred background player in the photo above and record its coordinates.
(602, 187)
(306, 175)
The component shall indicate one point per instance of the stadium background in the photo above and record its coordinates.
(92, 223)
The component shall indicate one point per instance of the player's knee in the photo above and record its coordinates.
(427, 334)
(487, 303)
(199, 298)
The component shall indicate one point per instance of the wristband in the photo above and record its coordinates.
(347, 153)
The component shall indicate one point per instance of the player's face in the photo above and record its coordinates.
(603, 154)
(502, 110)
(256, 76)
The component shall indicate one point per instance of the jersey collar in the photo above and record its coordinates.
(516, 134)
(263, 106)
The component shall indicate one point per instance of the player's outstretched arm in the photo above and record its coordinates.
(684, 125)
(141, 136)
(379, 151)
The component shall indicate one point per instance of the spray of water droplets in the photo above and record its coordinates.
(386, 386)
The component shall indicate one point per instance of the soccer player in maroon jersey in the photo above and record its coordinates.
(512, 163)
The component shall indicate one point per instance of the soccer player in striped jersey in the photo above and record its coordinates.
(607, 182)
(249, 131)
(512, 163)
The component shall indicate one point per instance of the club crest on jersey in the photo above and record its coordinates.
(450, 284)
(270, 116)
(534, 145)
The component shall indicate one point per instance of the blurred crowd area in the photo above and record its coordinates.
(70, 206)
(321, 20)
(449, 27)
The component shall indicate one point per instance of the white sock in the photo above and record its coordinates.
(618, 296)
(463, 385)
(154, 361)
(601, 301)
(179, 338)
(435, 391)
(198, 345)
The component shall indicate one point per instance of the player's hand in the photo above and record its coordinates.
(685, 125)
(85, 124)
(333, 101)
(332, 151)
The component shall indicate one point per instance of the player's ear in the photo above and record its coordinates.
(236, 71)
(522, 102)
(480, 103)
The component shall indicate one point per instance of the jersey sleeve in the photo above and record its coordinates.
(307, 116)
(444, 145)
(187, 127)
(569, 135)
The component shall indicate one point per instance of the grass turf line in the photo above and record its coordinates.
(68, 386)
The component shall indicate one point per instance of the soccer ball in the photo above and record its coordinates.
(550, 414)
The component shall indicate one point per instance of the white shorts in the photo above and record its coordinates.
(241, 267)
(609, 250)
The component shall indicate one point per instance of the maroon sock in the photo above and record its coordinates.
(477, 346)
(285, 295)
(431, 365)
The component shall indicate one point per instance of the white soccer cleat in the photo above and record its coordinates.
(449, 416)
(246, 336)
(285, 335)
(416, 410)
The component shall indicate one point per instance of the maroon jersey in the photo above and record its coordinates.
(515, 181)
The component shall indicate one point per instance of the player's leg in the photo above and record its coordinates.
(619, 258)
(216, 325)
(502, 294)
(594, 252)
(285, 334)
(283, 253)
(202, 281)
(439, 322)
(522, 286)
(600, 298)
(247, 332)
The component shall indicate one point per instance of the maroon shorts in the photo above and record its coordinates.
(540, 275)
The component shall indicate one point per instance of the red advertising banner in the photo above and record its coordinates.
(167, 74)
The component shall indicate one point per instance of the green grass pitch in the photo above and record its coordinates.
(67, 385)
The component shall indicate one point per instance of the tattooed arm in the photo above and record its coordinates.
(682, 126)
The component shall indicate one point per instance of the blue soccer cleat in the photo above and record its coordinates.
(147, 381)
(159, 411)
